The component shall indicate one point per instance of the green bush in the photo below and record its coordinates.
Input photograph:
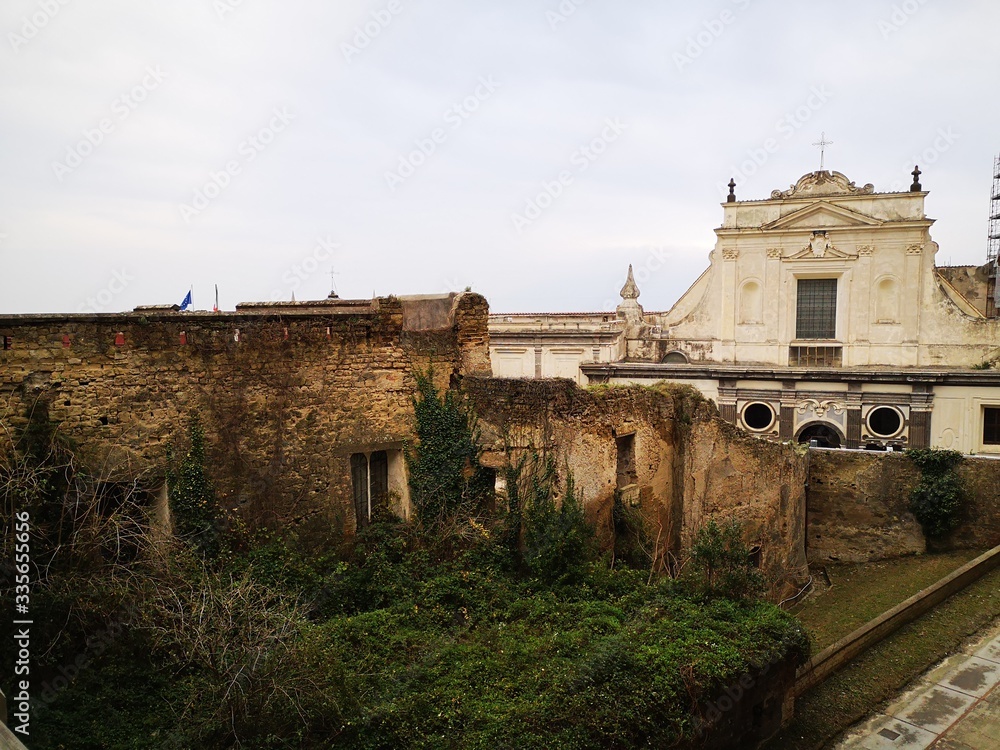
(721, 564)
(558, 543)
(936, 501)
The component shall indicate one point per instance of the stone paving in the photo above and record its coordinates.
(955, 706)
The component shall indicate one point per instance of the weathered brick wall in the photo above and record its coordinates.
(284, 401)
(691, 466)
(858, 507)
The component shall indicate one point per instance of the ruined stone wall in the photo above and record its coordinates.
(286, 394)
(690, 465)
(858, 507)
(729, 474)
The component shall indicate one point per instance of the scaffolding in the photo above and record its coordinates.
(993, 246)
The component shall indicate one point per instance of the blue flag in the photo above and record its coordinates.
(187, 301)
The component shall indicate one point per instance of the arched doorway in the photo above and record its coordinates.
(824, 434)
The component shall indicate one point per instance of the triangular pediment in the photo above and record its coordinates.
(823, 215)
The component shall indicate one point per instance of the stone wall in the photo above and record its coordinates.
(286, 392)
(689, 465)
(971, 282)
(858, 507)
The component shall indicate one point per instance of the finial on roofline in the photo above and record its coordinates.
(732, 191)
(630, 290)
(630, 309)
(915, 187)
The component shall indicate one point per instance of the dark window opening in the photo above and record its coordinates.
(359, 481)
(991, 426)
(627, 474)
(754, 556)
(816, 309)
(884, 421)
(378, 475)
(8, 342)
(370, 483)
(675, 358)
(758, 416)
(815, 356)
(825, 437)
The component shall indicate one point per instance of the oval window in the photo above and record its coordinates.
(758, 416)
(884, 421)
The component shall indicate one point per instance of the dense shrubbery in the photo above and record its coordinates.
(937, 499)
(514, 633)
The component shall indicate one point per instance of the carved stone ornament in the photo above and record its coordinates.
(822, 183)
(630, 290)
(866, 250)
(820, 246)
(730, 253)
(819, 408)
(774, 253)
(914, 249)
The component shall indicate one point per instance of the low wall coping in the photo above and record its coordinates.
(832, 658)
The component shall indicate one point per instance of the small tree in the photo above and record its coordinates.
(556, 542)
(191, 497)
(722, 565)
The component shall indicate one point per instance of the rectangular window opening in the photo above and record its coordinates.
(627, 474)
(816, 309)
(991, 426)
(815, 356)
(379, 483)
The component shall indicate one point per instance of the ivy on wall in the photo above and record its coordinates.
(445, 475)
(191, 496)
(937, 498)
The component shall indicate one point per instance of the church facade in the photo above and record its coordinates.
(822, 316)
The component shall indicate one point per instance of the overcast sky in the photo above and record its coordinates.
(530, 149)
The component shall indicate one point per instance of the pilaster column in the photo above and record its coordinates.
(786, 424)
(853, 403)
(727, 400)
(921, 405)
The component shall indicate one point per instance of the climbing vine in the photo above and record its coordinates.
(937, 498)
(445, 475)
(191, 496)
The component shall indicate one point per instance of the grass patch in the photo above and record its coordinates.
(880, 673)
(863, 591)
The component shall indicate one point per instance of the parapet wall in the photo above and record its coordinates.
(286, 392)
(858, 506)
